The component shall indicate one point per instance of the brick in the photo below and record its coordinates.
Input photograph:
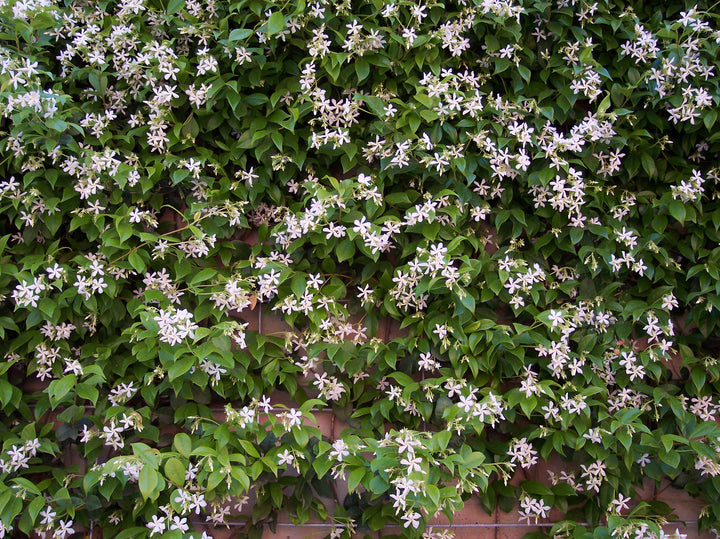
(471, 514)
(217, 533)
(516, 531)
(674, 365)
(250, 315)
(684, 506)
(485, 532)
(250, 237)
(325, 421)
(285, 531)
(71, 458)
(389, 329)
(272, 323)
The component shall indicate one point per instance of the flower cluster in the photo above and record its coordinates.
(175, 325)
(484, 234)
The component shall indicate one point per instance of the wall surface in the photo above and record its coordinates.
(472, 522)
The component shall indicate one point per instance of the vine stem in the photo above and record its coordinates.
(170, 233)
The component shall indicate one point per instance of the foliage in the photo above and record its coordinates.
(525, 192)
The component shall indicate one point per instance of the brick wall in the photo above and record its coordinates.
(470, 523)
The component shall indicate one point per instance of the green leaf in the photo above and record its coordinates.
(705, 429)
(345, 250)
(648, 164)
(362, 68)
(183, 444)
(535, 487)
(214, 479)
(6, 392)
(60, 388)
(175, 472)
(677, 210)
(276, 23)
(467, 300)
(27, 521)
(239, 34)
(298, 285)
(709, 118)
(137, 532)
(528, 405)
(136, 262)
(671, 458)
(147, 481)
(301, 436)
(525, 73)
(203, 275)
(27, 485)
(124, 229)
(181, 366)
(87, 391)
(174, 6)
(249, 448)
(355, 477)
(321, 466)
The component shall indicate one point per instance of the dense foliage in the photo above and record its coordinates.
(527, 189)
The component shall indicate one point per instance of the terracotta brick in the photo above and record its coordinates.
(338, 426)
(471, 513)
(691, 529)
(674, 365)
(250, 315)
(218, 533)
(250, 237)
(282, 398)
(489, 232)
(300, 532)
(684, 506)
(516, 531)
(72, 457)
(272, 323)
(317, 531)
(389, 329)
(486, 532)
(645, 492)
(512, 518)
(33, 384)
(324, 422)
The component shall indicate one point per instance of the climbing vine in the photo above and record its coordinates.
(489, 229)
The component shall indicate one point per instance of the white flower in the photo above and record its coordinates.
(175, 326)
(556, 317)
(294, 418)
(340, 450)
(532, 509)
(179, 524)
(56, 272)
(441, 330)
(157, 525)
(314, 281)
(466, 403)
(264, 404)
(136, 215)
(411, 519)
(285, 458)
(64, 529)
(364, 179)
(48, 515)
(361, 226)
(619, 504)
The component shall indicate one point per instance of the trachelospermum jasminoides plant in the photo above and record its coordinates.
(525, 190)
